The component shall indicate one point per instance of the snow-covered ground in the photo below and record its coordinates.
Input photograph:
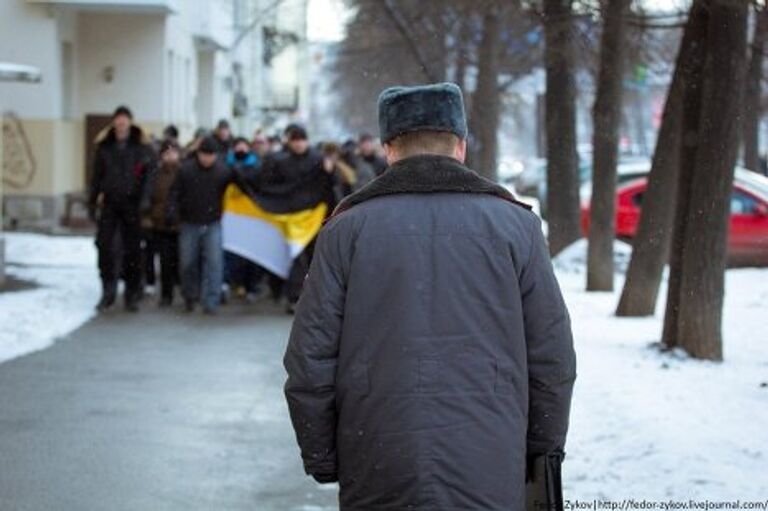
(654, 426)
(64, 269)
(644, 425)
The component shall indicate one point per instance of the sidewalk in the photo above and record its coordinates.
(160, 411)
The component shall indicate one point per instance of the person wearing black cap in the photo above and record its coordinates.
(431, 356)
(196, 200)
(367, 150)
(171, 134)
(223, 136)
(120, 167)
(296, 179)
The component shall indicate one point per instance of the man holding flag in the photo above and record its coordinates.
(294, 195)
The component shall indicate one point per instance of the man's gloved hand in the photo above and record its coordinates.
(326, 478)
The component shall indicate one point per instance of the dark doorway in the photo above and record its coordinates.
(94, 124)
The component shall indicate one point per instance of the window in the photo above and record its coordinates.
(742, 204)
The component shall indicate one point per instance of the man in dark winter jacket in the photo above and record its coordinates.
(196, 200)
(367, 150)
(295, 179)
(122, 162)
(431, 355)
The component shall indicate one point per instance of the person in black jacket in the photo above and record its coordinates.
(431, 357)
(121, 164)
(295, 179)
(196, 197)
(367, 150)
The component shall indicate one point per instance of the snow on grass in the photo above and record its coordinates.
(64, 269)
(647, 425)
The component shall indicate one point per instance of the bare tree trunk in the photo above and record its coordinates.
(462, 52)
(605, 143)
(486, 102)
(560, 105)
(699, 298)
(753, 90)
(651, 246)
(693, 84)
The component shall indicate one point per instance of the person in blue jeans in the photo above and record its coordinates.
(196, 197)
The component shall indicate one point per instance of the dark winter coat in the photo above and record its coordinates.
(378, 163)
(158, 196)
(120, 170)
(197, 193)
(431, 350)
(290, 182)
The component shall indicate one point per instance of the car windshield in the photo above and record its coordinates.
(753, 181)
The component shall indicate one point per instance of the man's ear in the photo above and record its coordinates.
(460, 153)
(390, 154)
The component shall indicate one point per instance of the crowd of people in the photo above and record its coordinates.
(160, 200)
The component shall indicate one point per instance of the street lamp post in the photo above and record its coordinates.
(11, 73)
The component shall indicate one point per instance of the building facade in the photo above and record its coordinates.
(186, 62)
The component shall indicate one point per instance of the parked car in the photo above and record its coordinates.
(748, 232)
(532, 181)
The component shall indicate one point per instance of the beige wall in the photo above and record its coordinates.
(70, 174)
(132, 47)
(50, 162)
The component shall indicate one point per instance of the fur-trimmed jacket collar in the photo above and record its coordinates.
(427, 174)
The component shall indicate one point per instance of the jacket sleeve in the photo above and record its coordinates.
(551, 357)
(311, 357)
(172, 209)
(97, 174)
(147, 189)
(245, 180)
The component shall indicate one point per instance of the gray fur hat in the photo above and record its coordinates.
(436, 107)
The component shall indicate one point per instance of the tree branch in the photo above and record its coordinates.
(411, 40)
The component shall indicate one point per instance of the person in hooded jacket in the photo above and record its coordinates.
(121, 165)
(431, 357)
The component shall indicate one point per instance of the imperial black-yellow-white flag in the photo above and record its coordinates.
(270, 240)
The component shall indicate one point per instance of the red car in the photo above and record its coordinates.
(748, 234)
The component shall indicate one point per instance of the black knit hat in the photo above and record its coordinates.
(209, 145)
(436, 107)
(296, 131)
(123, 110)
(168, 144)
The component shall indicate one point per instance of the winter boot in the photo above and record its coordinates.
(108, 297)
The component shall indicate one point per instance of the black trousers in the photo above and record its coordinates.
(118, 240)
(149, 250)
(167, 244)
